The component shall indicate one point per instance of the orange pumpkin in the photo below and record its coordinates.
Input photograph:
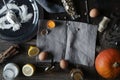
(107, 63)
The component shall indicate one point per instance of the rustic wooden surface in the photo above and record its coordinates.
(106, 7)
(22, 58)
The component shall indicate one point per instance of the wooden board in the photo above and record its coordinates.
(106, 7)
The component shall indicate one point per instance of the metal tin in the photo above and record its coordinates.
(44, 32)
(76, 74)
(10, 71)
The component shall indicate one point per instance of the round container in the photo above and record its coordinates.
(44, 32)
(10, 71)
(28, 70)
(76, 74)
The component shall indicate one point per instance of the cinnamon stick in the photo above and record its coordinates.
(11, 51)
(8, 50)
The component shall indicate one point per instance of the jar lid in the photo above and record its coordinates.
(76, 74)
(13, 67)
(44, 32)
(8, 74)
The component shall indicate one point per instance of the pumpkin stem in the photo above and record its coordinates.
(116, 64)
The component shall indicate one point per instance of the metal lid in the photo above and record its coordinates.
(8, 74)
(10, 71)
(76, 74)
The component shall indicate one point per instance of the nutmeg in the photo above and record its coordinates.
(63, 64)
(94, 13)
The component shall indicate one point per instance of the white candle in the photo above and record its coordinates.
(103, 24)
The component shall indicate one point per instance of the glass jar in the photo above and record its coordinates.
(76, 74)
(10, 71)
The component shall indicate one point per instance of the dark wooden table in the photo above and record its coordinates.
(58, 74)
(106, 7)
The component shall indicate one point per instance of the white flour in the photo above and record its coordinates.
(23, 14)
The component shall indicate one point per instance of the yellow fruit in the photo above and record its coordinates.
(51, 24)
(33, 51)
(28, 70)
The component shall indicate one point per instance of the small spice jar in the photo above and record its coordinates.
(10, 71)
(76, 74)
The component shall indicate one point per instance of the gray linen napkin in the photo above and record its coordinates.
(74, 41)
(51, 7)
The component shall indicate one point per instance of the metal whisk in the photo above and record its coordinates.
(10, 15)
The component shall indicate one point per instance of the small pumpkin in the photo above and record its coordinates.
(107, 63)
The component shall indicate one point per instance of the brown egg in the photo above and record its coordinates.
(63, 64)
(43, 56)
(94, 13)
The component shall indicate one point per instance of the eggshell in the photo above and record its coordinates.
(63, 64)
(43, 56)
(94, 13)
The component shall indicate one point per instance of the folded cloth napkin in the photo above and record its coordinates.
(50, 6)
(74, 41)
